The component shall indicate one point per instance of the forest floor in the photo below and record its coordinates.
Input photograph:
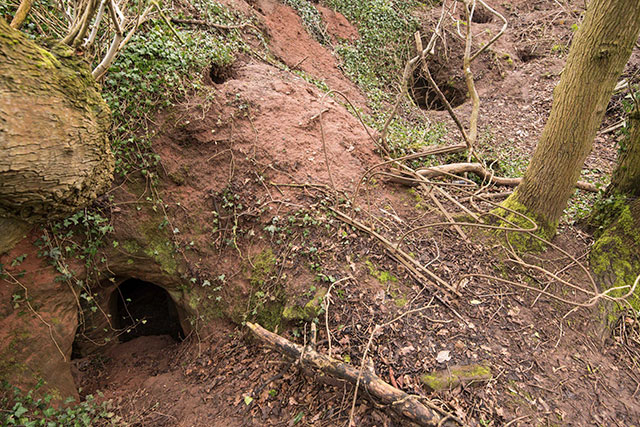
(548, 368)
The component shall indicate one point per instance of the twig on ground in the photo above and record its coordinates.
(419, 272)
(374, 332)
(326, 301)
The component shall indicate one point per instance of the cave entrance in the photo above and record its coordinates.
(141, 308)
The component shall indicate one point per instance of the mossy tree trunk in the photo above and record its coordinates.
(615, 255)
(54, 150)
(598, 54)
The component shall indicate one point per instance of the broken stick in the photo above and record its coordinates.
(401, 403)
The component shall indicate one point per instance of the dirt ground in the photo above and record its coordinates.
(548, 368)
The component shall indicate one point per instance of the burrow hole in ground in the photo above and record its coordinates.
(481, 16)
(138, 323)
(427, 98)
(221, 73)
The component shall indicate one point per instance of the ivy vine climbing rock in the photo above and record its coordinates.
(55, 155)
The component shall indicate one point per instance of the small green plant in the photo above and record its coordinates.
(406, 137)
(311, 19)
(386, 27)
(26, 409)
(559, 49)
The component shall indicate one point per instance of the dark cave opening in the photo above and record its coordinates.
(141, 308)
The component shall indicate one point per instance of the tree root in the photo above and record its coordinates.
(479, 170)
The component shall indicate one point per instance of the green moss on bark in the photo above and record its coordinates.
(615, 258)
(454, 376)
(523, 241)
(51, 108)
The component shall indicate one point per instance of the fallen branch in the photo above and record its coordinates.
(479, 170)
(440, 149)
(21, 14)
(380, 392)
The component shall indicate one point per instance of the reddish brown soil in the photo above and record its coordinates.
(337, 25)
(297, 48)
(263, 128)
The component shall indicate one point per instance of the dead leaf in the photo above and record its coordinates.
(443, 356)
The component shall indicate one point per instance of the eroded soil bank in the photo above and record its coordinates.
(250, 169)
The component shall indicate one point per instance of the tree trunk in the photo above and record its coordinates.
(54, 149)
(626, 178)
(615, 258)
(615, 255)
(597, 57)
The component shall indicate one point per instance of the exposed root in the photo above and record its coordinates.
(480, 171)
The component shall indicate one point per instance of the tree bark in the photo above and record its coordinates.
(626, 178)
(55, 155)
(21, 13)
(598, 54)
(615, 255)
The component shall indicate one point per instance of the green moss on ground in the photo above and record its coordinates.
(309, 311)
(266, 302)
(384, 277)
(263, 266)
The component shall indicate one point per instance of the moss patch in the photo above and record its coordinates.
(523, 242)
(263, 266)
(308, 311)
(420, 204)
(615, 258)
(157, 245)
(266, 301)
(384, 277)
(449, 378)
